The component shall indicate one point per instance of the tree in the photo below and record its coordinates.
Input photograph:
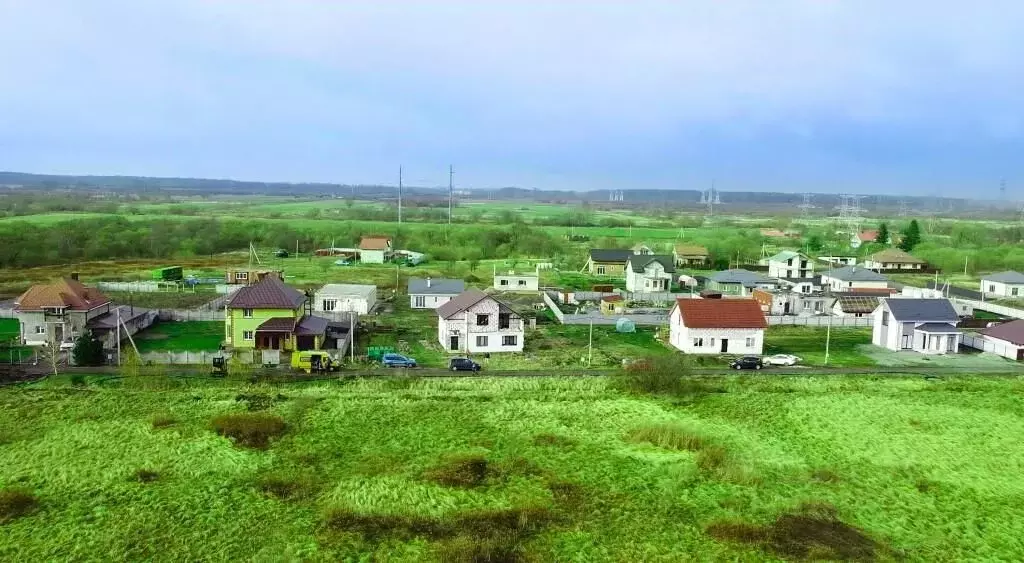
(883, 234)
(911, 236)
(53, 356)
(88, 351)
(815, 244)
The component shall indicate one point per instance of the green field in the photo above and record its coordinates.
(845, 347)
(193, 336)
(517, 470)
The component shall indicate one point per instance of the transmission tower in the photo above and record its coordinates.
(850, 213)
(1002, 189)
(903, 208)
(806, 207)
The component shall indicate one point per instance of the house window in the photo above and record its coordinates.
(242, 276)
(698, 342)
(421, 301)
(41, 329)
(503, 282)
(509, 340)
(481, 341)
(504, 320)
(711, 342)
(600, 270)
(482, 320)
(523, 283)
(1013, 292)
(247, 335)
(750, 342)
(906, 341)
(330, 304)
(817, 306)
(247, 313)
(885, 318)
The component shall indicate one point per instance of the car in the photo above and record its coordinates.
(342, 262)
(747, 362)
(463, 364)
(782, 360)
(281, 253)
(397, 361)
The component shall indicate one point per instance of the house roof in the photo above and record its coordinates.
(618, 255)
(937, 328)
(858, 303)
(868, 236)
(639, 262)
(721, 313)
(691, 250)
(375, 242)
(921, 310)
(310, 325)
(856, 274)
(268, 293)
(277, 324)
(784, 255)
(1005, 277)
(772, 233)
(346, 290)
(440, 286)
(1012, 332)
(464, 301)
(611, 298)
(745, 277)
(66, 293)
(894, 256)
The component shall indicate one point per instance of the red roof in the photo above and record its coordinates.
(66, 293)
(868, 236)
(375, 242)
(611, 298)
(721, 313)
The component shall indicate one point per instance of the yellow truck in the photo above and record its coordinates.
(314, 361)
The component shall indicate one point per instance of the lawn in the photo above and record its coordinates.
(163, 299)
(193, 336)
(846, 346)
(515, 470)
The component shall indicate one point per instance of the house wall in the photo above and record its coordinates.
(872, 265)
(429, 301)
(652, 279)
(727, 288)
(516, 283)
(361, 305)
(65, 327)
(710, 341)
(235, 324)
(1003, 348)
(838, 285)
(1000, 289)
(691, 260)
(464, 325)
(798, 267)
(372, 256)
(610, 268)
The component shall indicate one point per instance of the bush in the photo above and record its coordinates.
(15, 503)
(672, 436)
(252, 430)
(163, 420)
(146, 475)
(655, 376)
(88, 351)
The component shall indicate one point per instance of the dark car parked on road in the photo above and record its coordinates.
(463, 364)
(747, 362)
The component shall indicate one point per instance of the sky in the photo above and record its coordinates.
(870, 96)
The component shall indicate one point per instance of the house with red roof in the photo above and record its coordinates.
(270, 315)
(57, 313)
(717, 326)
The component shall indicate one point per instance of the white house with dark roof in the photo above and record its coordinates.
(432, 293)
(790, 264)
(1003, 284)
(650, 273)
(740, 282)
(854, 278)
(474, 322)
(928, 326)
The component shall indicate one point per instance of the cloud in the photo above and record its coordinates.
(578, 93)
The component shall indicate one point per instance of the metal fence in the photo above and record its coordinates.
(188, 315)
(825, 321)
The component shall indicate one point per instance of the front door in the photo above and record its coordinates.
(725, 345)
(785, 308)
(453, 343)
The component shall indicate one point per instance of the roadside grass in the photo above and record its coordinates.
(190, 336)
(516, 469)
(846, 347)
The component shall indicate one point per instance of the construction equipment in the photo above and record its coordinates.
(220, 366)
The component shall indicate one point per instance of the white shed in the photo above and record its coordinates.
(516, 282)
(1003, 284)
(341, 298)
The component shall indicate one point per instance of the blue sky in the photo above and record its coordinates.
(861, 95)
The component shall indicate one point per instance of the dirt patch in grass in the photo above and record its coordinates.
(556, 440)
(824, 475)
(15, 503)
(259, 401)
(163, 420)
(463, 470)
(146, 475)
(672, 437)
(287, 485)
(812, 531)
(251, 430)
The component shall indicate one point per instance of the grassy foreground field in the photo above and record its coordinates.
(515, 469)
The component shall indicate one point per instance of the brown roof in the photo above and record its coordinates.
(868, 236)
(464, 301)
(611, 298)
(894, 256)
(268, 293)
(67, 293)
(721, 313)
(691, 250)
(277, 324)
(374, 242)
(1012, 332)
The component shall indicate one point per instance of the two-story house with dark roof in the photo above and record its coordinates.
(270, 315)
(649, 273)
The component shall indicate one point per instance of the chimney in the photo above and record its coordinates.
(74, 276)
(428, 281)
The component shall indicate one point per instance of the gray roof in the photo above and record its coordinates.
(610, 254)
(937, 328)
(310, 325)
(855, 274)
(1005, 277)
(745, 277)
(442, 286)
(785, 255)
(638, 262)
(922, 310)
(346, 290)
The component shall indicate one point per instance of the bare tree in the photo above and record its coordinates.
(53, 356)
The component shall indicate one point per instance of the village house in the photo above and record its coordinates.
(739, 282)
(922, 325)
(375, 249)
(790, 302)
(690, 255)
(1007, 338)
(893, 259)
(58, 313)
(642, 249)
(717, 326)
(649, 273)
(790, 264)
(838, 260)
(1003, 284)
(474, 322)
(854, 278)
(512, 281)
(802, 285)
(432, 293)
(613, 305)
(345, 298)
(608, 261)
(248, 277)
(270, 315)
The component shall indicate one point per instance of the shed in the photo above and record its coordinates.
(342, 298)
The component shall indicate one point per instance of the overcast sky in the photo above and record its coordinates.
(920, 96)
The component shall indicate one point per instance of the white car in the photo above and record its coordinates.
(782, 360)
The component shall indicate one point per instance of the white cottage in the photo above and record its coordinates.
(650, 273)
(717, 326)
(1003, 284)
(345, 298)
(790, 264)
(432, 293)
(516, 282)
(475, 322)
(853, 278)
(923, 325)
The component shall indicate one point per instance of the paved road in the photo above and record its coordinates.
(956, 291)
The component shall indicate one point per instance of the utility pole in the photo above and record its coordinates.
(590, 345)
(451, 184)
(399, 196)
